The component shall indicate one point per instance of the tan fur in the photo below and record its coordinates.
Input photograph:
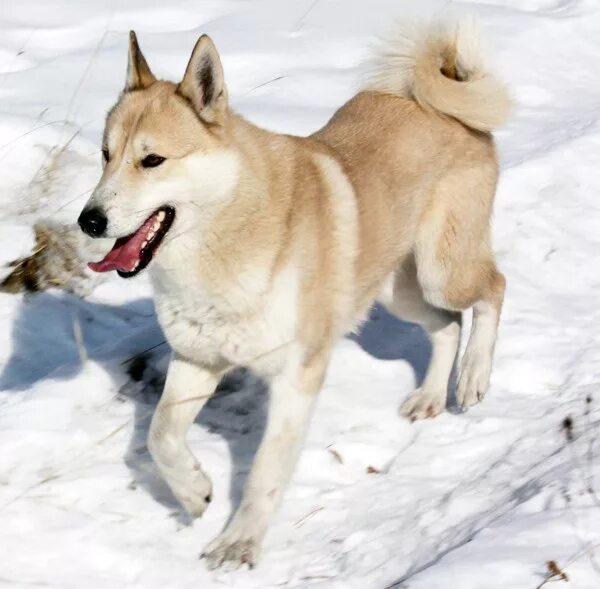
(282, 251)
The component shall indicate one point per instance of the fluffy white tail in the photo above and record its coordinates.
(443, 69)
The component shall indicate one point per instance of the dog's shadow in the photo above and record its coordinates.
(127, 341)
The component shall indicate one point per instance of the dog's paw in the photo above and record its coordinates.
(231, 550)
(423, 404)
(474, 380)
(194, 492)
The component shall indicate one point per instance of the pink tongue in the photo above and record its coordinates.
(126, 251)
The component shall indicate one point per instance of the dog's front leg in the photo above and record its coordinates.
(187, 389)
(292, 397)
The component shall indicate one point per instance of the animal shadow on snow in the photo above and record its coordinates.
(44, 347)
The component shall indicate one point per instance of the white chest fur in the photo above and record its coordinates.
(251, 323)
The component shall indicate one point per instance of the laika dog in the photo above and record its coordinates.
(263, 249)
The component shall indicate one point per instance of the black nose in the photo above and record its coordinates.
(93, 222)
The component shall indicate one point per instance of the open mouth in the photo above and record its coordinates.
(131, 254)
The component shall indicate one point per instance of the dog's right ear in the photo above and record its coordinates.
(139, 75)
(203, 84)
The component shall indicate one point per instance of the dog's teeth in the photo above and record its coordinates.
(156, 225)
(145, 244)
(160, 216)
(151, 234)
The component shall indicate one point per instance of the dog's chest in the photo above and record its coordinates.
(215, 331)
(200, 331)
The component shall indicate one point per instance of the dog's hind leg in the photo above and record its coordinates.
(476, 365)
(292, 396)
(485, 295)
(443, 327)
(456, 271)
(187, 389)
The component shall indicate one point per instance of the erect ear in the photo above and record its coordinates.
(204, 84)
(139, 75)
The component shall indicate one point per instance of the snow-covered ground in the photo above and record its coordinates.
(477, 500)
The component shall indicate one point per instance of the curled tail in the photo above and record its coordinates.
(443, 69)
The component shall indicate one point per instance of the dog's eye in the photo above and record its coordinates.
(152, 160)
(105, 154)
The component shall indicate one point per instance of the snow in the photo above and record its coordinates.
(473, 500)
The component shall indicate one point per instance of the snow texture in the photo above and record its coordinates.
(482, 499)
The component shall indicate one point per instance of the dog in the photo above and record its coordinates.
(263, 249)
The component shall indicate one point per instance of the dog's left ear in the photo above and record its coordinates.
(204, 83)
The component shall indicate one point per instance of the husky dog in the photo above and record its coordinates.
(263, 249)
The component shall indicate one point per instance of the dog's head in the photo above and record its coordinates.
(165, 157)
